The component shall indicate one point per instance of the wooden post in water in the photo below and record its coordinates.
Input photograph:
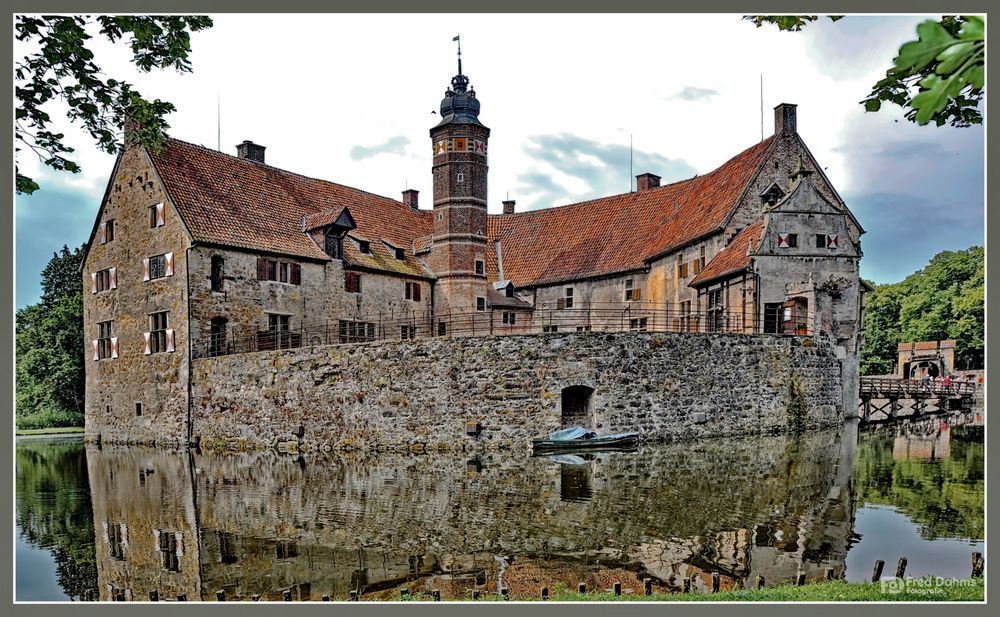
(977, 565)
(800, 580)
(901, 567)
(287, 595)
(154, 596)
(760, 582)
(220, 595)
(715, 582)
(618, 588)
(545, 593)
(828, 574)
(582, 587)
(877, 570)
(647, 586)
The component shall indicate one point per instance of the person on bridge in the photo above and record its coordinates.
(946, 382)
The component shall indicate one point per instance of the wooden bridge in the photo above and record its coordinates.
(885, 399)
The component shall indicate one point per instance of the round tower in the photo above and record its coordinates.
(458, 252)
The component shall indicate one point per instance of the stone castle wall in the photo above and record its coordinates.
(424, 393)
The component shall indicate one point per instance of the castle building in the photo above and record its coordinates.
(197, 253)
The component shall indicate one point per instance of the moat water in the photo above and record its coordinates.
(117, 523)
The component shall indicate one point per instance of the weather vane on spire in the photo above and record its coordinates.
(458, 38)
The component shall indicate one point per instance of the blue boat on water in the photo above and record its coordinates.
(578, 438)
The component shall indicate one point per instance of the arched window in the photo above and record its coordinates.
(218, 267)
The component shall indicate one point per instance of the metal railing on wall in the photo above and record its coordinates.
(593, 317)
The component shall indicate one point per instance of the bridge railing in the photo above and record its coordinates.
(888, 386)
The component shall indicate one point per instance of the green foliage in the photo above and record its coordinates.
(49, 349)
(945, 496)
(54, 512)
(61, 67)
(944, 300)
(938, 77)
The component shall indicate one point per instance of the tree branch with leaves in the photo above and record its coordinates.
(938, 77)
(62, 68)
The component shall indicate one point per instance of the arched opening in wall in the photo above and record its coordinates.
(927, 367)
(795, 316)
(576, 406)
(217, 336)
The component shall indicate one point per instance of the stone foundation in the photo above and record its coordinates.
(432, 393)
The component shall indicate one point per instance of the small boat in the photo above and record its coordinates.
(578, 438)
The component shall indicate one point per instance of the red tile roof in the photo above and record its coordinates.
(235, 202)
(734, 257)
(621, 232)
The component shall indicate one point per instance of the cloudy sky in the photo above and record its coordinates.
(349, 98)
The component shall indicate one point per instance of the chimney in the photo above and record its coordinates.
(251, 151)
(410, 198)
(508, 206)
(784, 118)
(646, 181)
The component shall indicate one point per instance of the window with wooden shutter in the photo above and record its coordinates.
(261, 269)
(145, 269)
(156, 267)
(160, 338)
(832, 241)
(568, 301)
(416, 292)
(104, 233)
(147, 349)
(113, 278)
(168, 264)
(295, 274)
(156, 215)
(109, 230)
(93, 282)
(105, 346)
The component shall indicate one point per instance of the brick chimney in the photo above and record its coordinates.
(508, 206)
(251, 151)
(410, 198)
(784, 118)
(646, 181)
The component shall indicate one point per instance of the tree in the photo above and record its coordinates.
(944, 300)
(61, 68)
(938, 77)
(49, 346)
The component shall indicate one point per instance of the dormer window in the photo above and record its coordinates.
(365, 247)
(400, 254)
(509, 290)
(772, 195)
(333, 245)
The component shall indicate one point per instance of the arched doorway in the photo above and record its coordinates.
(926, 367)
(576, 406)
(217, 336)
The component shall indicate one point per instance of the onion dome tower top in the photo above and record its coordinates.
(459, 105)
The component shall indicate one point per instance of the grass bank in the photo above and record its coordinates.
(58, 430)
(914, 590)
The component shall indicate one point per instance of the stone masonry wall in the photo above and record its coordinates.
(422, 393)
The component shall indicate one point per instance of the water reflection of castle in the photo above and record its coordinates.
(193, 524)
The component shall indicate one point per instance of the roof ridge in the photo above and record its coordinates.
(652, 190)
(286, 171)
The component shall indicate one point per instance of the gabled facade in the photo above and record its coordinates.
(197, 253)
